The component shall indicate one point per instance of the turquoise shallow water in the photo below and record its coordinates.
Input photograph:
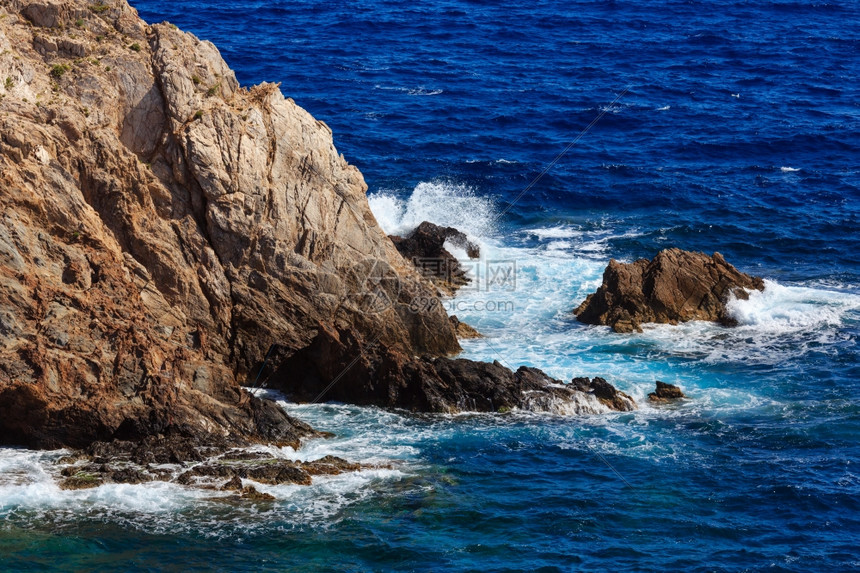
(738, 134)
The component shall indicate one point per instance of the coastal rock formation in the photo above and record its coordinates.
(605, 392)
(665, 393)
(425, 247)
(167, 235)
(675, 286)
(342, 366)
(162, 229)
(462, 329)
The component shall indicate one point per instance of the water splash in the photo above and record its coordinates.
(444, 203)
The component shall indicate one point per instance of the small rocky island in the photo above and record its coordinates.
(168, 236)
(675, 286)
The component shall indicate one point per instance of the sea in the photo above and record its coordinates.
(557, 135)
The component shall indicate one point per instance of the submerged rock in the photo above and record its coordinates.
(675, 286)
(233, 484)
(425, 248)
(250, 493)
(665, 393)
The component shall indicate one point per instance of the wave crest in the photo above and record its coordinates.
(443, 203)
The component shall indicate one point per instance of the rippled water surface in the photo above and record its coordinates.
(734, 128)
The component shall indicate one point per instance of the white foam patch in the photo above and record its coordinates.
(789, 169)
(776, 322)
(781, 309)
(556, 232)
(422, 91)
(442, 203)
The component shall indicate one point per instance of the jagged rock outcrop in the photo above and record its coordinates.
(675, 286)
(425, 247)
(610, 396)
(161, 228)
(341, 366)
(665, 393)
(462, 329)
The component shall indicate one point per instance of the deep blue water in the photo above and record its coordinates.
(738, 132)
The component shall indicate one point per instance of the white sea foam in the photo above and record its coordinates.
(789, 169)
(782, 309)
(556, 232)
(664, 108)
(30, 492)
(443, 203)
(422, 91)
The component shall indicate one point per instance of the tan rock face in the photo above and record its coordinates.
(675, 286)
(161, 227)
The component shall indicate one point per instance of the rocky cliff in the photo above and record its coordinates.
(167, 236)
(163, 230)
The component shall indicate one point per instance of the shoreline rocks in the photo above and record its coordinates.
(675, 286)
(193, 463)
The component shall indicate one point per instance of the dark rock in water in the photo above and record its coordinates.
(425, 248)
(250, 493)
(126, 475)
(330, 466)
(81, 480)
(233, 484)
(96, 474)
(340, 366)
(605, 392)
(665, 393)
(675, 286)
(136, 462)
(272, 471)
(463, 330)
